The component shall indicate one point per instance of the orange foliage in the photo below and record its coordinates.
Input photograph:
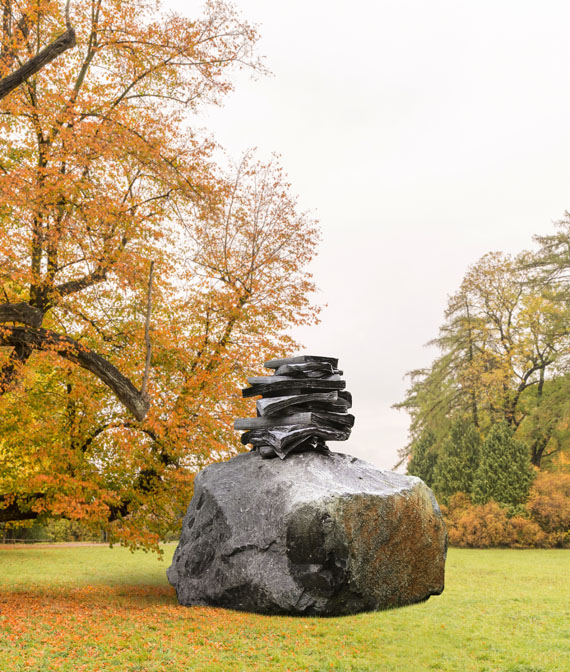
(547, 524)
(110, 628)
(549, 505)
(100, 174)
(488, 526)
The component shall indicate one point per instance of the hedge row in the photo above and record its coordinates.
(543, 522)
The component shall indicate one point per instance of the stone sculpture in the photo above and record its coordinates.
(303, 405)
(310, 535)
(318, 533)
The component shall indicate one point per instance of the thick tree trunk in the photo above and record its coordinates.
(539, 446)
(537, 451)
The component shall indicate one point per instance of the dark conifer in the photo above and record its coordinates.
(458, 461)
(504, 472)
(424, 458)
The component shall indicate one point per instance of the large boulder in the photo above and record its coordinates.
(313, 534)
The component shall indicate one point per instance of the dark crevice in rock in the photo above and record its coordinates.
(249, 547)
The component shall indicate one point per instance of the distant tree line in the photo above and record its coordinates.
(493, 409)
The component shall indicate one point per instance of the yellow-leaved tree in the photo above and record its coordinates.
(503, 359)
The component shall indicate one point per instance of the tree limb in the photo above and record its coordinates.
(15, 511)
(35, 64)
(144, 388)
(72, 286)
(117, 425)
(20, 312)
(45, 340)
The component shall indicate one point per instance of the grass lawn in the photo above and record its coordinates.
(96, 608)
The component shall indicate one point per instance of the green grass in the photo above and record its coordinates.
(95, 608)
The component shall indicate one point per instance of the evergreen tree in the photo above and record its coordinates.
(504, 472)
(458, 461)
(424, 457)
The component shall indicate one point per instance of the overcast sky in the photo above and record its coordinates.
(422, 135)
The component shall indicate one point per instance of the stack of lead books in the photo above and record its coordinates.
(303, 405)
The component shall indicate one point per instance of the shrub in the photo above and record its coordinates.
(549, 506)
(479, 526)
(489, 525)
(527, 533)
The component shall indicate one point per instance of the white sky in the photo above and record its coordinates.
(422, 135)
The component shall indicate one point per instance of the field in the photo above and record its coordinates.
(95, 608)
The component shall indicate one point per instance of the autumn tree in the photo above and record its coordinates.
(548, 272)
(503, 342)
(101, 173)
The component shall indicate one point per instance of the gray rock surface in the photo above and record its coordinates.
(314, 534)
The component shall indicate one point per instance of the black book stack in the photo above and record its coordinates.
(303, 405)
